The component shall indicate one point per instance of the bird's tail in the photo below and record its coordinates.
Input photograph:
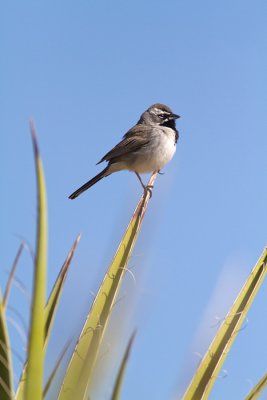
(90, 183)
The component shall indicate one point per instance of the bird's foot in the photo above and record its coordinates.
(148, 189)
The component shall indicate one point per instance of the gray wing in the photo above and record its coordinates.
(132, 141)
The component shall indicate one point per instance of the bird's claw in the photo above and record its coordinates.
(148, 189)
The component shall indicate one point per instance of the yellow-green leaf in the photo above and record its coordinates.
(55, 369)
(12, 273)
(54, 297)
(258, 389)
(119, 380)
(34, 382)
(50, 310)
(77, 379)
(6, 377)
(211, 363)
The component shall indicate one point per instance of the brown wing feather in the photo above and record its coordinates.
(139, 130)
(132, 141)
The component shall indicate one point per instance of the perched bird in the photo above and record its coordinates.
(146, 147)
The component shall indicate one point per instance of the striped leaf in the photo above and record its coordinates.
(255, 393)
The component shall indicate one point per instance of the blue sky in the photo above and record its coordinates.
(85, 72)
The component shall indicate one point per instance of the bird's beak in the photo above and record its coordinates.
(175, 116)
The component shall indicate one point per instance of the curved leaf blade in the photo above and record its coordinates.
(6, 378)
(12, 274)
(34, 382)
(77, 379)
(119, 380)
(211, 363)
(54, 297)
(258, 389)
(50, 310)
(55, 369)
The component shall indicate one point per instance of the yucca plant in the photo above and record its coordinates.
(77, 381)
(79, 372)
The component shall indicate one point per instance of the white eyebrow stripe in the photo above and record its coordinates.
(157, 111)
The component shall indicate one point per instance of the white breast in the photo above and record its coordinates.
(158, 153)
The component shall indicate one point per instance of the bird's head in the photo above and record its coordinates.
(159, 114)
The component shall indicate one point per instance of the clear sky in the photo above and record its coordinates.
(85, 71)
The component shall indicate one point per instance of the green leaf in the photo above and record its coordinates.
(6, 378)
(119, 380)
(77, 379)
(12, 274)
(211, 363)
(55, 369)
(258, 389)
(54, 297)
(34, 382)
(50, 310)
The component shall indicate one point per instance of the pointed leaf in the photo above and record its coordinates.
(34, 382)
(6, 378)
(211, 363)
(119, 380)
(55, 369)
(258, 389)
(12, 273)
(50, 310)
(77, 379)
(54, 297)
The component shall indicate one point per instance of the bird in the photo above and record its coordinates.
(146, 147)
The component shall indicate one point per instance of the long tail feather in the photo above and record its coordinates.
(90, 183)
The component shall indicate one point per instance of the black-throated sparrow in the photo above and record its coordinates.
(146, 147)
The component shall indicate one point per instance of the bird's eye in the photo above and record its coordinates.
(162, 116)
